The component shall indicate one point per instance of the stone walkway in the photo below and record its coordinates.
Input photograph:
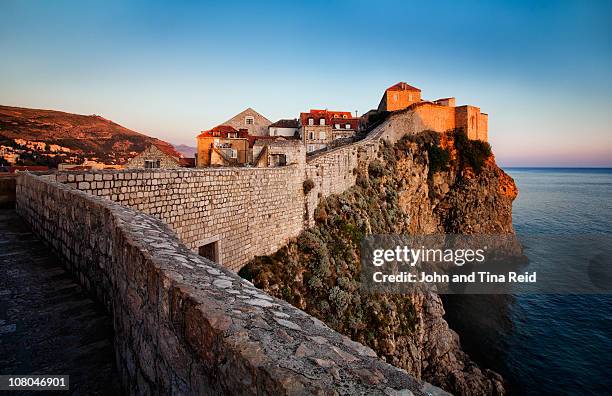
(48, 325)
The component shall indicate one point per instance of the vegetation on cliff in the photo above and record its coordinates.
(422, 184)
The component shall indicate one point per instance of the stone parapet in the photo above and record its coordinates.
(185, 325)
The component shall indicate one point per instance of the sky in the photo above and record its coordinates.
(540, 69)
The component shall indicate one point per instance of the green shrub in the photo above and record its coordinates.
(472, 153)
(439, 159)
(376, 169)
(246, 273)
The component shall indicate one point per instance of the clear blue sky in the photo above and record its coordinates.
(542, 70)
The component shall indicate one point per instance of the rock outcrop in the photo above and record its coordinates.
(424, 184)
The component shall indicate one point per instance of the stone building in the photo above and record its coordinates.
(320, 127)
(223, 145)
(440, 115)
(278, 152)
(399, 96)
(288, 128)
(157, 155)
(252, 121)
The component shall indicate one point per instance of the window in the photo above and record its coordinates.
(322, 135)
(310, 148)
(249, 120)
(348, 126)
(151, 164)
(337, 126)
(311, 135)
(233, 153)
(410, 97)
(232, 135)
(311, 121)
(278, 160)
(395, 97)
(322, 121)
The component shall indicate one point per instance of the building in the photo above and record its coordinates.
(318, 128)
(9, 154)
(438, 115)
(288, 128)
(399, 96)
(279, 151)
(449, 102)
(157, 155)
(344, 127)
(250, 120)
(223, 145)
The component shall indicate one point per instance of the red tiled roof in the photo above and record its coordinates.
(327, 114)
(402, 86)
(343, 121)
(222, 131)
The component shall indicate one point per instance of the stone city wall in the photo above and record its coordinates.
(185, 325)
(335, 171)
(247, 212)
(244, 211)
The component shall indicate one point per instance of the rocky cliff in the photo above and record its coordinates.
(423, 184)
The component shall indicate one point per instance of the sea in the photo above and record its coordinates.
(546, 344)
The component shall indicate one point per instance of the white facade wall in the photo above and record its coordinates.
(277, 131)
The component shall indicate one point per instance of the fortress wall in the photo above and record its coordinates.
(244, 211)
(422, 117)
(483, 127)
(251, 211)
(473, 122)
(185, 325)
(334, 171)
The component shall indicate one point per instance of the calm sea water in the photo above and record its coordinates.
(547, 344)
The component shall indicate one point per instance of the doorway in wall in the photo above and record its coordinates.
(210, 251)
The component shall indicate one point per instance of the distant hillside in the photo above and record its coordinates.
(187, 151)
(90, 136)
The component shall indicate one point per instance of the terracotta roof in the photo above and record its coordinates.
(327, 114)
(285, 124)
(402, 86)
(343, 121)
(222, 131)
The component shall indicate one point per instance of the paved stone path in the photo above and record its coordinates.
(48, 324)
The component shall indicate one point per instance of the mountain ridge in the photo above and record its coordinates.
(87, 136)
